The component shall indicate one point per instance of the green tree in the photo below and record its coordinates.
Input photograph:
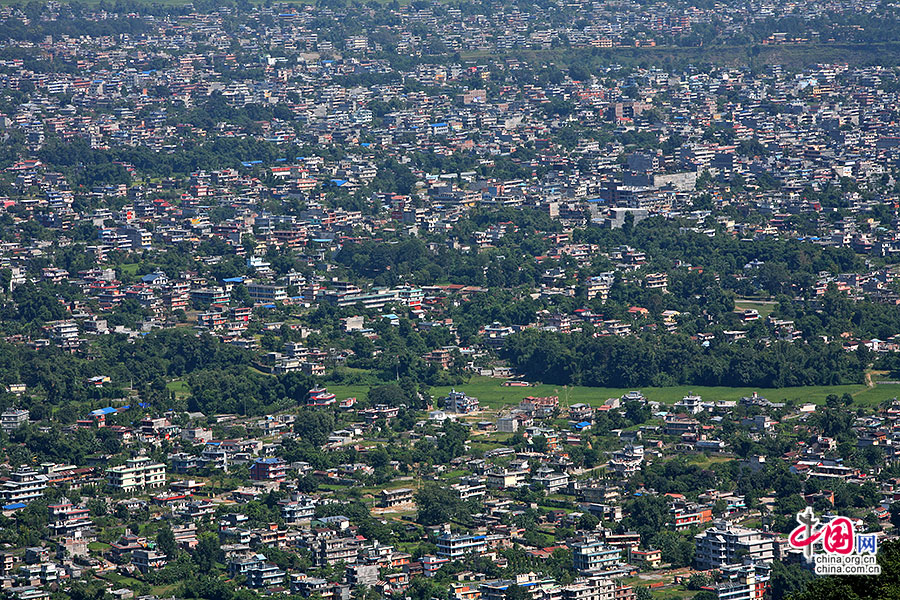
(314, 426)
(787, 580)
(895, 515)
(886, 585)
(437, 504)
(208, 552)
(516, 592)
(165, 541)
(588, 522)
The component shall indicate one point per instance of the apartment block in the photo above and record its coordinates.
(136, 474)
(724, 544)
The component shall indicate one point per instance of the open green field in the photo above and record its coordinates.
(180, 388)
(129, 268)
(358, 391)
(763, 308)
(492, 394)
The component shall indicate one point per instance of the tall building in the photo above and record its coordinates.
(137, 473)
(744, 582)
(459, 402)
(12, 419)
(456, 546)
(148, 559)
(267, 293)
(537, 586)
(594, 588)
(268, 469)
(68, 519)
(24, 485)
(334, 550)
(599, 286)
(594, 555)
(724, 544)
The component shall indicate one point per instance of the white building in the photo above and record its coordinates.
(691, 404)
(24, 485)
(724, 544)
(12, 419)
(137, 473)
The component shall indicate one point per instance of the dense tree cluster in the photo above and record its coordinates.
(659, 360)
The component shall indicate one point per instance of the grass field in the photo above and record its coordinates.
(120, 580)
(763, 308)
(358, 391)
(180, 388)
(492, 394)
(130, 268)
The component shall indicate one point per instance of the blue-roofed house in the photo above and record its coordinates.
(268, 469)
(158, 278)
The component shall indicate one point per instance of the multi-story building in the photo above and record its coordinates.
(464, 591)
(267, 293)
(137, 473)
(268, 469)
(628, 461)
(7, 563)
(649, 558)
(594, 588)
(549, 480)
(593, 555)
(331, 551)
(676, 425)
(657, 281)
(538, 587)
(744, 582)
(459, 402)
(68, 519)
(264, 575)
(691, 404)
(214, 295)
(499, 478)
(239, 564)
(455, 546)
(508, 424)
(362, 574)
(691, 516)
(24, 485)
(12, 419)
(467, 490)
(64, 332)
(724, 544)
(395, 497)
(147, 560)
(599, 286)
(294, 512)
